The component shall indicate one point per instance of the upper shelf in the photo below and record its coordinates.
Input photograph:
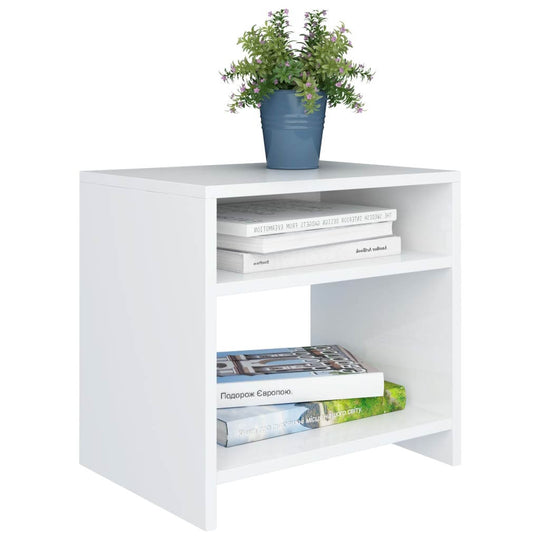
(252, 179)
(406, 262)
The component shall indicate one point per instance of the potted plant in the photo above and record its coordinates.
(291, 81)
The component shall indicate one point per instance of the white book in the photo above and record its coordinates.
(238, 261)
(275, 216)
(297, 240)
(295, 374)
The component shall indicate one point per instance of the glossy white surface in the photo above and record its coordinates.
(147, 366)
(148, 323)
(408, 261)
(290, 450)
(250, 179)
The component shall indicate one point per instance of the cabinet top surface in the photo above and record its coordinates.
(250, 179)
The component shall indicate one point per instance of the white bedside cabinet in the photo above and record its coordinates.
(148, 322)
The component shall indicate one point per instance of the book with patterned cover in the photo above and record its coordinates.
(294, 374)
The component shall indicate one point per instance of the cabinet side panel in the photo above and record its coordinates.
(447, 446)
(147, 363)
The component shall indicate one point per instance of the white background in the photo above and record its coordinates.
(111, 84)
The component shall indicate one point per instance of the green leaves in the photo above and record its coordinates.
(314, 65)
(306, 88)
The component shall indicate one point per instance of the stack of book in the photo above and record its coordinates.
(255, 236)
(267, 393)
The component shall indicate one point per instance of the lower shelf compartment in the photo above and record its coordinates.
(287, 451)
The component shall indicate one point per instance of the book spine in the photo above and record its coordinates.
(251, 393)
(311, 415)
(306, 224)
(361, 249)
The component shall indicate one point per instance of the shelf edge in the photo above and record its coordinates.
(310, 456)
(313, 276)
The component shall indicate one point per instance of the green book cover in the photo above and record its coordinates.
(240, 425)
(323, 413)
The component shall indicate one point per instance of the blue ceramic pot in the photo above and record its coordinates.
(292, 138)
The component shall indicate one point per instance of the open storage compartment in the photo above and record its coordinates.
(424, 222)
(398, 323)
(395, 312)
